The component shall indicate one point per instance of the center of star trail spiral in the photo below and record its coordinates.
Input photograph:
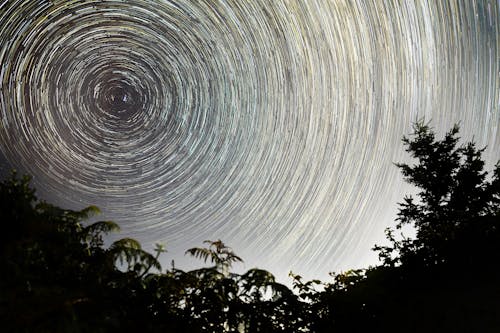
(272, 125)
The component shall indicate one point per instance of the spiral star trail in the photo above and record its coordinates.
(272, 125)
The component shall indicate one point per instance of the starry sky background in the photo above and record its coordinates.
(272, 125)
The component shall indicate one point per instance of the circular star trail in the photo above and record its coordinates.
(272, 125)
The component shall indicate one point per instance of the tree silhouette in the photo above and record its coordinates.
(446, 278)
(60, 277)
(455, 198)
(217, 252)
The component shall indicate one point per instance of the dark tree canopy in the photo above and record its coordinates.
(457, 202)
(57, 275)
(446, 278)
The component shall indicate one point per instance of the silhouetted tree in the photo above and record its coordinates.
(60, 277)
(456, 200)
(445, 279)
(217, 252)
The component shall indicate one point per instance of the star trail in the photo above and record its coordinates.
(272, 125)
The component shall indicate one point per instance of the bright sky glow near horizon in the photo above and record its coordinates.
(272, 125)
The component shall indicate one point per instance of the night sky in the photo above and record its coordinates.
(272, 125)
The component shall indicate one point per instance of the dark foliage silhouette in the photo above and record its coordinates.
(60, 278)
(446, 278)
(57, 275)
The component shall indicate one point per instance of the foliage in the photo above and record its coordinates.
(59, 277)
(446, 278)
(222, 256)
(455, 198)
